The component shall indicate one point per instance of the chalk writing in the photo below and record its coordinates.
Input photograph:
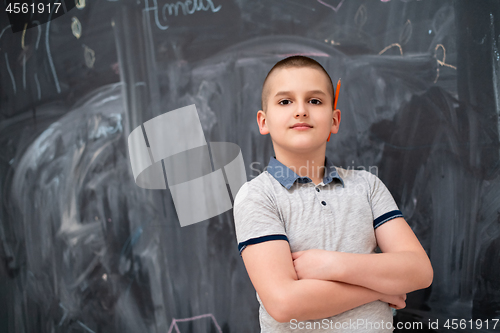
(10, 73)
(39, 33)
(89, 56)
(361, 17)
(1, 33)
(80, 4)
(38, 87)
(24, 71)
(335, 8)
(197, 6)
(85, 326)
(175, 321)
(391, 46)
(332, 42)
(441, 62)
(49, 55)
(64, 315)
(76, 27)
(24, 34)
(406, 33)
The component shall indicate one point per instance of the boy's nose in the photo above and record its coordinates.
(301, 109)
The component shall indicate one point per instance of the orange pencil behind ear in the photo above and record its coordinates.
(335, 103)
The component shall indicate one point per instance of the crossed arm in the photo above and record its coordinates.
(316, 284)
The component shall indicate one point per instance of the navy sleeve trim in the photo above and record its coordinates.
(261, 239)
(386, 217)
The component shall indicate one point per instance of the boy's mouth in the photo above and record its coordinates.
(301, 126)
(298, 125)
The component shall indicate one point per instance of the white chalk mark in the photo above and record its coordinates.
(361, 17)
(89, 56)
(76, 27)
(175, 321)
(10, 73)
(52, 68)
(495, 60)
(3, 30)
(332, 42)
(85, 326)
(80, 4)
(106, 100)
(406, 33)
(391, 46)
(155, 9)
(336, 9)
(175, 8)
(24, 71)
(1, 33)
(39, 33)
(38, 87)
(65, 314)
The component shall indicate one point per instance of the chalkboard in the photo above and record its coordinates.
(84, 249)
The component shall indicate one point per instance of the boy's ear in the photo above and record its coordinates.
(261, 121)
(335, 121)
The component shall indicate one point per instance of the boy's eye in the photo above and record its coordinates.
(317, 101)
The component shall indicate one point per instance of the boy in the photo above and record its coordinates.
(307, 230)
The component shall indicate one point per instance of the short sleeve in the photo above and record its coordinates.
(256, 217)
(383, 205)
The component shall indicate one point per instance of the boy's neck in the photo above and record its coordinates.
(312, 166)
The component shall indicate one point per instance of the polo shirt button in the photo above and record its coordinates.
(317, 189)
(324, 203)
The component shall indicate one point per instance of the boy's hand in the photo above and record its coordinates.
(395, 301)
(314, 264)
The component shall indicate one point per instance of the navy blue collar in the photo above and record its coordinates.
(287, 177)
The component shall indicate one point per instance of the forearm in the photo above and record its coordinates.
(310, 299)
(388, 273)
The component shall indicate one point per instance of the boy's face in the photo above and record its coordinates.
(298, 95)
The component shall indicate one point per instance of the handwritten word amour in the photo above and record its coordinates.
(188, 7)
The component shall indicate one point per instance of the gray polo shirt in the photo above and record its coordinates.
(339, 214)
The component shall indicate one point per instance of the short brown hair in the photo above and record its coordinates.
(296, 61)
